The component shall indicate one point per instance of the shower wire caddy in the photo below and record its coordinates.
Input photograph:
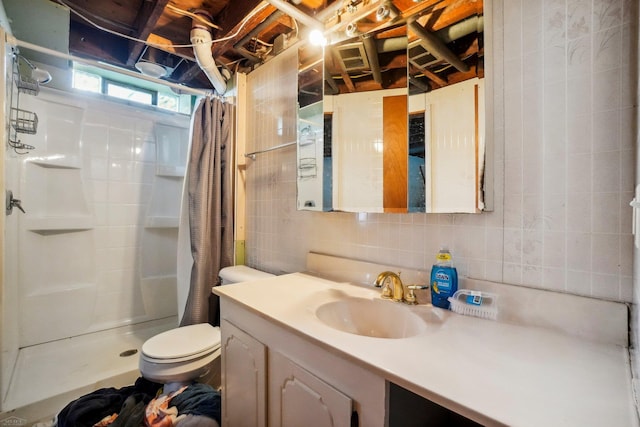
(21, 120)
(24, 83)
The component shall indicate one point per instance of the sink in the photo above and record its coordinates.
(371, 317)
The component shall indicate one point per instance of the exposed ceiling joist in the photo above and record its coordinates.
(145, 22)
(243, 44)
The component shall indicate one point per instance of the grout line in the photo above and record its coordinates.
(566, 144)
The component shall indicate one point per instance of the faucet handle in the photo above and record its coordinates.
(387, 292)
(410, 297)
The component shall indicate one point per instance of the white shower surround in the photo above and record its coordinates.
(97, 246)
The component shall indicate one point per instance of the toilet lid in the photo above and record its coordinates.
(182, 342)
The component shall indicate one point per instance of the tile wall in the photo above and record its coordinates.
(565, 76)
(102, 194)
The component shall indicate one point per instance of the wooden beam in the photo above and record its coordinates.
(89, 42)
(145, 22)
(162, 44)
(107, 14)
(434, 77)
(419, 8)
(219, 48)
(458, 77)
(345, 75)
(234, 13)
(449, 12)
(190, 74)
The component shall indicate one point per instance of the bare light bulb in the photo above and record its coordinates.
(316, 38)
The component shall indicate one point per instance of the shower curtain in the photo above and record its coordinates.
(210, 211)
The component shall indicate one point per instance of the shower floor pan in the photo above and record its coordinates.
(48, 376)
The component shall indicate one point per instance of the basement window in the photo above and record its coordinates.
(92, 79)
(130, 93)
(169, 102)
(87, 81)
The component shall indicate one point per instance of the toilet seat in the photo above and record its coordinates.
(190, 353)
(182, 354)
(182, 344)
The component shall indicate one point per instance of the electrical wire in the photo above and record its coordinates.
(257, 40)
(193, 16)
(295, 23)
(160, 45)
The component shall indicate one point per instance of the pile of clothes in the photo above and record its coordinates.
(144, 404)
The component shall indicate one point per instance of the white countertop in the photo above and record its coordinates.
(509, 374)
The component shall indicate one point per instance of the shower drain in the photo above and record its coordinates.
(128, 353)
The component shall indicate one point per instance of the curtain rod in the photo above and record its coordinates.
(182, 89)
(252, 156)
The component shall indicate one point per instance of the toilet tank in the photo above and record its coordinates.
(241, 273)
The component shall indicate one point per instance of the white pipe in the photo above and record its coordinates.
(180, 88)
(296, 14)
(201, 38)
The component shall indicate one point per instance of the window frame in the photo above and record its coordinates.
(183, 106)
(106, 82)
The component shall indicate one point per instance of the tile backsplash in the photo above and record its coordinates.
(564, 74)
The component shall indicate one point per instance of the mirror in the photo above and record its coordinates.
(446, 116)
(392, 120)
(365, 100)
(314, 176)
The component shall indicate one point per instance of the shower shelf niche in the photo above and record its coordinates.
(62, 224)
(161, 222)
(169, 171)
(59, 162)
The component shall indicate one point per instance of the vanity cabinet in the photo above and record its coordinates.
(244, 378)
(273, 376)
(299, 398)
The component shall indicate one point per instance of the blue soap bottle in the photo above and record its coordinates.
(444, 279)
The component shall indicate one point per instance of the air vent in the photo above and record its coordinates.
(352, 56)
(419, 55)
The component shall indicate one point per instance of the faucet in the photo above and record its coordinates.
(395, 291)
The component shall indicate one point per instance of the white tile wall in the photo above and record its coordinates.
(564, 116)
(91, 189)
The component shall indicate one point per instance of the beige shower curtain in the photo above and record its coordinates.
(210, 207)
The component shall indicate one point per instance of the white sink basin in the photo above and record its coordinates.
(371, 317)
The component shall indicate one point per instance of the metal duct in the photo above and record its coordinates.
(437, 47)
(332, 84)
(453, 32)
(270, 19)
(372, 53)
(474, 24)
(296, 14)
(391, 44)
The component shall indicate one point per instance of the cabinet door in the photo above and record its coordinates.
(243, 378)
(299, 398)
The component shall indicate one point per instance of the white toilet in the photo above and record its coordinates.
(190, 353)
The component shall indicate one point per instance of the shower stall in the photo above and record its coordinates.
(90, 265)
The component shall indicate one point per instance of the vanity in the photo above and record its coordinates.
(291, 356)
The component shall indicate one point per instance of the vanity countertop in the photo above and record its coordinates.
(496, 373)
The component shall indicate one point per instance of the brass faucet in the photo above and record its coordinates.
(410, 297)
(395, 291)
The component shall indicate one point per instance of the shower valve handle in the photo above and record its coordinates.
(17, 204)
(12, 203)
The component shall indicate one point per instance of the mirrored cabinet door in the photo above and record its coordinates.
(313, 160)
(392, 120)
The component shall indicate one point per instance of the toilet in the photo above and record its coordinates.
(190, 353)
